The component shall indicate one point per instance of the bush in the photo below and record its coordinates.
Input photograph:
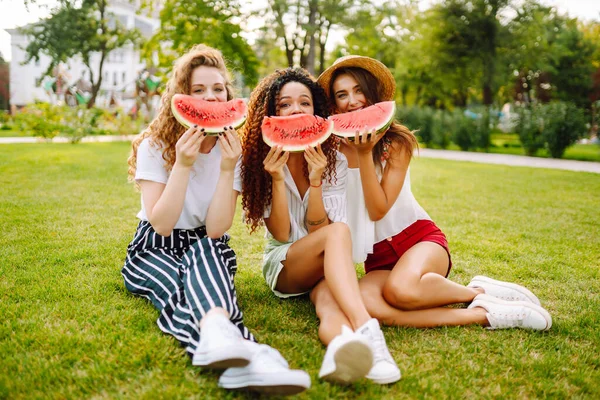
(564, 125)
(419, 119)
(529, 126)
(48, 121)
(461, 131)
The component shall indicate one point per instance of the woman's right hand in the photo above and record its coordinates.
(274, 162)
(188, 146)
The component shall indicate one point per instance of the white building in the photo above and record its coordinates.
(120, 69)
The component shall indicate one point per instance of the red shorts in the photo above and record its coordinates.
(387, 252)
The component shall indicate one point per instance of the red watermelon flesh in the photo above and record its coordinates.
(377, 117)
(295, 132)
(213, 116)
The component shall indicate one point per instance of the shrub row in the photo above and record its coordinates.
(48, 121)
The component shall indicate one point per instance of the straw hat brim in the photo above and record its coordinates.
(377, 68)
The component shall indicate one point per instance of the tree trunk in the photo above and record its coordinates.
(311, 32)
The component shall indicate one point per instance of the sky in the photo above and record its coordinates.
(13, 13)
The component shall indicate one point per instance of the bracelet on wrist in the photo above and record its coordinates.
(316, 186)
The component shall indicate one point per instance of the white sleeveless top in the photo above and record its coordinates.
(405, 211)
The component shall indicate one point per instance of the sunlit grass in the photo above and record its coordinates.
(71, 330)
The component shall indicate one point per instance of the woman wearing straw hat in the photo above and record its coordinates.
(406, 255)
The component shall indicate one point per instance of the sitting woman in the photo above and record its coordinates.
(407, 256)
(179, 258)
(301, 199)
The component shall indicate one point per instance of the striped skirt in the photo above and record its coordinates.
(184, 275)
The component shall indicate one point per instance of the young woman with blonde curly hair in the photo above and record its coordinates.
(300, 197)
(179, 258)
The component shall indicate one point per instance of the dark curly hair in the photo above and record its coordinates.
(256, 182)
(397, 134)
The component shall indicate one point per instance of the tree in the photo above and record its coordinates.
(82, 28)
(212, 22)
(4, 84)
(305, 25)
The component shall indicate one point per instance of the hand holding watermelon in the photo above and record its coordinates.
(231, 148)
(274, 161)
(363, 142)
(317, 162)
(188, 146)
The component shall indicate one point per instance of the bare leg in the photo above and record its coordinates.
(417, 280)
(214, 311)
(325, 253)
(331, 316)
(371, 287)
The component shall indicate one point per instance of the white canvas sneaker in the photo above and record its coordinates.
(503, 290)
(221, 345)
(384, 370)
(347, 359)
(503, 314)
(268, 372)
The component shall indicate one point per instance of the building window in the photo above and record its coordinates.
(123, 75)
(115, 78)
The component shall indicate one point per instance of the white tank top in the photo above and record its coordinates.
(365, 233)
(405, 212)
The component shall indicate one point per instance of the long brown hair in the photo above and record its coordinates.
(165, 130)
(256, 182)
(397, 134)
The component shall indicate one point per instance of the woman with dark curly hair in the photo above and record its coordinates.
(300, 197)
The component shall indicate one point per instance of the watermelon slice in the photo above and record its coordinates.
(377, 117)
(213, 116)
(295, 132)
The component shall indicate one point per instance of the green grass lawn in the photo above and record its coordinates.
(70, 330)
(508, 143)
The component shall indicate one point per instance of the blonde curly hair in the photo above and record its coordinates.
(165, 130)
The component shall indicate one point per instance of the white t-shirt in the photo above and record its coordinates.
(201, 186)
(334, 199)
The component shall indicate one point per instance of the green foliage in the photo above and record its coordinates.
(439, 128)
(48, 121)
(78, 28)
(420, 120)
(529, 126)
(564, 125)
(554, 126)
(40, 119)
(214, 23)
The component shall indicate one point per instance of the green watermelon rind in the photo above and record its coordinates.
(210, 131)
(350, 135)
(300, 148)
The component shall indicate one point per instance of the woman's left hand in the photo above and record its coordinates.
(364, 142)
(317, 162)
(231, 148)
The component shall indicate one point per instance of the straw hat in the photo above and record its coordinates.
(377, 68)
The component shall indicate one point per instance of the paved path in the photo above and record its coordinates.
(486, 158)
(508, 159)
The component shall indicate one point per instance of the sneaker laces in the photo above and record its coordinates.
(507, 319)
(229, 330)
(268, 356)
(380, 350)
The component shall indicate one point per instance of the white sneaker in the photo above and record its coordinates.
(503, 314)
(385, 370)
(221, 345)
(347, 359)
(268, 372)
(503, 290)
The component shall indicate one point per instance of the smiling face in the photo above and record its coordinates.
(295, 98)
(348, 94)
(208, 84)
